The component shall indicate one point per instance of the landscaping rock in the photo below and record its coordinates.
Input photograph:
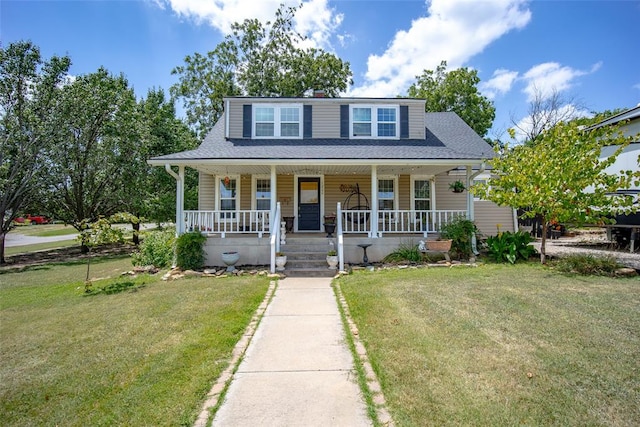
(626, 272)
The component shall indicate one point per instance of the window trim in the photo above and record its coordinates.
(374, 120)
(277, 122)
(218, 195)
(393, 178)
(254, 191)
(429, 178)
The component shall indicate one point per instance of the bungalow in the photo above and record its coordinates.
(272, 169)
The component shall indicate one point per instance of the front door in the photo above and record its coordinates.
(308, 204)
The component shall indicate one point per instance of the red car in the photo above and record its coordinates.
(33, 219)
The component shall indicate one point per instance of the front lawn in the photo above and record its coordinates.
(501, 345)
(143, 357)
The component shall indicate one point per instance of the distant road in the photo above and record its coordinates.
(14, 238)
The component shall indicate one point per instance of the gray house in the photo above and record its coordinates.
(273, 171)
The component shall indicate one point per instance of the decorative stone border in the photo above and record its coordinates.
(384, 417)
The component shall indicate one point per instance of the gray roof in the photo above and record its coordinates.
(448, 137)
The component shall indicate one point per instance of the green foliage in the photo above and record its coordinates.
(156, 249)
(561, 177)
(257, 60)
(510, 247)
(404, 252)
(190, 250)
(589, 265)
(456, 91)
(460, 231)
(29, 93)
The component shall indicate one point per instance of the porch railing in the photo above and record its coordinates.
(398, 221)
(228, 222)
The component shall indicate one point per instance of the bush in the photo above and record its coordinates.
(589, 265)
(460, 231)
(156, 249)
(190, 251)
(508, 246)
(404, 252)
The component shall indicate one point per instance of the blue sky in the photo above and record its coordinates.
(585, 50)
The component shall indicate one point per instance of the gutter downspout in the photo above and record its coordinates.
(470, 203)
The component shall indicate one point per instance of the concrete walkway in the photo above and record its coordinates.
(297, 370)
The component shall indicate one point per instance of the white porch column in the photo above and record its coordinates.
(274, 194)
(180, 201)
(374, 201)
(470, 210)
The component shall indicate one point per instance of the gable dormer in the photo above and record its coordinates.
(327, 118)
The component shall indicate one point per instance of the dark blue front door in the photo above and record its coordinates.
(308, 204)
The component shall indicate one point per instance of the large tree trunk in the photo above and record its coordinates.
(543, 244)
(2, 236)
(136, 232)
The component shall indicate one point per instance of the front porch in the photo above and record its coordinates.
(257, 235)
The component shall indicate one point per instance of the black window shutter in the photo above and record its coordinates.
(246, 121)
(344, 121)
(404, 121)
(307, 131)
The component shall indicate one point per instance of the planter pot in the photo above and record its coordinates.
(332, 260)
(281, 261)
(439, 245)
(230, 259)
(330, 229)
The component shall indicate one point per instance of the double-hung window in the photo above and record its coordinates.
(228, 196)
(386, 194)
(277, 121)
(263, 194)
(422, 194)
(374, 121)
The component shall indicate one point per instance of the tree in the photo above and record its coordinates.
(455, 91)
(151, 191)
(544, 112)
(29, 89)
(256, 60)
(98, 144)
(561, 177)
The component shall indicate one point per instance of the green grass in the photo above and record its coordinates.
(458, 346)
(142, 357)
(16, 250)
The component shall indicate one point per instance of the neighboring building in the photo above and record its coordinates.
(627, 229)
(312, 155)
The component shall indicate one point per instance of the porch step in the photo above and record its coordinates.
(306, 257)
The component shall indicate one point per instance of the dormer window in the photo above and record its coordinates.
(374, 121)
(277, 121)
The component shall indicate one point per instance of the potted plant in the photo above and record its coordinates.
(332, 259)
(457, 186)
(330, 224)
(281, 261)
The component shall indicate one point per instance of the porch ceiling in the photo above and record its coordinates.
(324, 169)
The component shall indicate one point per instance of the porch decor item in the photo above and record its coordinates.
(329, 227)
(332, 259)
(457, 186)
(230, 259)
(439, 245)
(281, 261)
(360, 203)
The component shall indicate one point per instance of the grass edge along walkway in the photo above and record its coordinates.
(501, 345)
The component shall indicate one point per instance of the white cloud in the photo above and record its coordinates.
(315, 18)
(549, 77)
(453, 30)
(500, 83)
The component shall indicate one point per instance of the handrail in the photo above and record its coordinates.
(274, 241)
(397, 221)
(340, 238)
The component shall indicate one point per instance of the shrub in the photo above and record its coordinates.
(190, 251)
(588, 265)
(404, 252)
(156, 249)
(460, 231)
(508, 246)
